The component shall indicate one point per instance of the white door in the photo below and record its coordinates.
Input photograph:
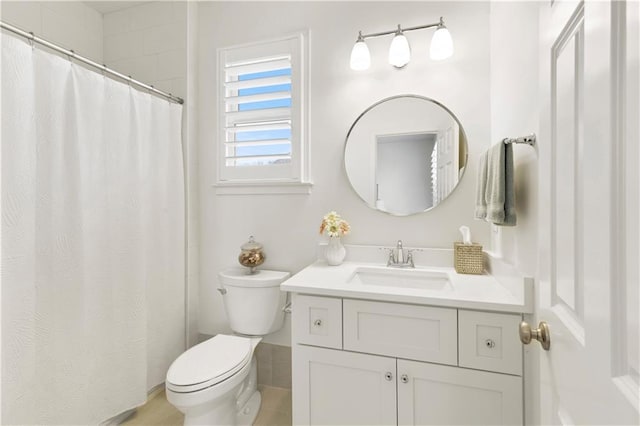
(432, 394)
(342, 388)
(588, 212)
(447, 153)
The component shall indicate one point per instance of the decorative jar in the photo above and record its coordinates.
(251, 255)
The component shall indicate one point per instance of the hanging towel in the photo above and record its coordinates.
(481, 188)
(499, 192)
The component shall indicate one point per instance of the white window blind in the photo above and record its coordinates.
(434, 174)
(262, 117)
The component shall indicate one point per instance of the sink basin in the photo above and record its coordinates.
(402, 278)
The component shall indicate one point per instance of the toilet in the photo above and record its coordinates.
(215, 382)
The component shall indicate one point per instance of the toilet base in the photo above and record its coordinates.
(234, 401)
(247, 415)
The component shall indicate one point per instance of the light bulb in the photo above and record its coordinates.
(441, 44)
(399, 51)
(360, 57)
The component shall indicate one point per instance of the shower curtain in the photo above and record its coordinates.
(92, 240)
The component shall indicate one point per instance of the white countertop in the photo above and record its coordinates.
(483, 292)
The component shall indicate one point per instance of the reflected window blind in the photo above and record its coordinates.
(258, 111)
(434, 174)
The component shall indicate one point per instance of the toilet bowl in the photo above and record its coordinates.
(215, 382)
(207, 381)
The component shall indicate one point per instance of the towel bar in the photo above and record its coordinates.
(529, 140)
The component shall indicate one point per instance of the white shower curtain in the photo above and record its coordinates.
(92, 240)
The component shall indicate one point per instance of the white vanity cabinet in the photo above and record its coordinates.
(432, 394)
(332, 387)
(363, 362)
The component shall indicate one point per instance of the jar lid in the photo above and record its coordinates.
(251, 245)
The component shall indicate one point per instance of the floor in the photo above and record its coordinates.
(274, 411)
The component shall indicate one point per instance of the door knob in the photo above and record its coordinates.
(541, 334)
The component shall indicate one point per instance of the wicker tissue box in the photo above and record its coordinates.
(467, 258)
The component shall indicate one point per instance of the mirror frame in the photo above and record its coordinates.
(424, 98)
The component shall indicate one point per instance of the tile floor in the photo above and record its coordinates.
(274, 411)
(276, 407)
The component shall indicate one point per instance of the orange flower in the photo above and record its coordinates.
(334, 225)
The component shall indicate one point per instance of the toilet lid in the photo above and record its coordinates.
(208, 363)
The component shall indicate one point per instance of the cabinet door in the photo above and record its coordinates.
(342, 388)
(431, 394)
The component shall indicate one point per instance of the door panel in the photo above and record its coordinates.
(582, 212)
(567, 77)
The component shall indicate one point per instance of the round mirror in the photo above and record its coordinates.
(405, 154)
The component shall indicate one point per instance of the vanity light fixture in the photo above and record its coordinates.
(399, 51)
(360, 57)
(441, 43)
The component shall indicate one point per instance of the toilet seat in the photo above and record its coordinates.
(209, 363)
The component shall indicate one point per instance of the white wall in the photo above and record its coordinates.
(149, 42)
(288, 224)
(633, 175)
(192, 163)
(515, 112)
(70, 24)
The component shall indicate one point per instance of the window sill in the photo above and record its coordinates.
(262, 188)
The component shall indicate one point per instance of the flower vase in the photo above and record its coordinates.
(335, 252)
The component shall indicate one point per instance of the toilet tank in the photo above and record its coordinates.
(253, 302)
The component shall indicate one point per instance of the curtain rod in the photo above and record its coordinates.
(73, 55)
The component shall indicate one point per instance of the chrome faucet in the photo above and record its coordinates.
(400, 258)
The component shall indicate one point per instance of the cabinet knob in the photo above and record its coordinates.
(490, 343)
(404, 378)
(317, 322)
(541, 334)
(388, 376)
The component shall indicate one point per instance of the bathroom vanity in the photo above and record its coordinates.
(376, 345)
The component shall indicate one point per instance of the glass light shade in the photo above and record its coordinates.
(399, 51)
(441, 44)
(360, 57)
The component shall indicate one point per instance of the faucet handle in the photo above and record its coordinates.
(392, 257)
(410, 257)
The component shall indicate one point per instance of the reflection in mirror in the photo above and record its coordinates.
(405, 154)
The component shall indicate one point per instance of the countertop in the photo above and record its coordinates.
(483, 292)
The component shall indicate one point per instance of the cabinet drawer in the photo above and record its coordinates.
(317, 321)
(489, 341)
(406, 331)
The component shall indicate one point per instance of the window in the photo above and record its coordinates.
(262, 125)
